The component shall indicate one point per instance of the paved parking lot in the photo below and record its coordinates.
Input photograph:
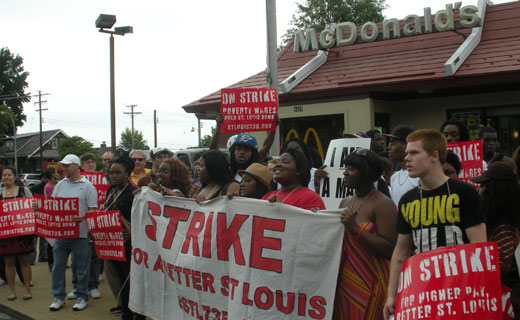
(38, 307)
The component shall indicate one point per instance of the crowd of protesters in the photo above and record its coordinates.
(378, 234)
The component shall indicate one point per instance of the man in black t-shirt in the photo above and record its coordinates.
(440, 212)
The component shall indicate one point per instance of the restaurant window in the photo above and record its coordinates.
(316, 131)
(472, 119)
(505, 119)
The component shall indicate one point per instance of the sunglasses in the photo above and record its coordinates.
(138, 159)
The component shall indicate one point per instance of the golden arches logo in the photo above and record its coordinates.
(294, 133)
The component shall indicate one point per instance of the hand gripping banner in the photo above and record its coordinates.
(232, 259)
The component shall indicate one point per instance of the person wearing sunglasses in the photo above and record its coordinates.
(369, 217)
(139, 159)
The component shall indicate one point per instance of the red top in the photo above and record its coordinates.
(303, 198)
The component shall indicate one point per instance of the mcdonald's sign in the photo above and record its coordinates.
(319, 146)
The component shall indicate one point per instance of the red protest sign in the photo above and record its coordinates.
(97, 180)
(457, 282)
(248, 109)
(107, 234)
(471, 157)
(16, 217)
(54, 217)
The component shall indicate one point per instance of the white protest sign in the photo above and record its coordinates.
(332, 190)
(232, 259)
(517, 257)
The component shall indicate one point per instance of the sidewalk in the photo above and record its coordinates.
(38, 307)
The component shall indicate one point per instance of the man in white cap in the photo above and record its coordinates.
(73, 186)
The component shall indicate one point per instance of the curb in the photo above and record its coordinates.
(14, 314)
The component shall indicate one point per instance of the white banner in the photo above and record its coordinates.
(332, 190)
(232, 259)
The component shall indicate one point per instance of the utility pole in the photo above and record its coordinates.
(272, 50)
(199, 125)
(113, 141)
(272, 60)
(132, 113)
(41, 129)
(155, 128)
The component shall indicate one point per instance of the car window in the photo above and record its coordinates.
(34, 177)
(184, 158)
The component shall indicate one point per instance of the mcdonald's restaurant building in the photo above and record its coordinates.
(421, 72)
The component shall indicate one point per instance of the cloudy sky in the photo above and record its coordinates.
(180, 51)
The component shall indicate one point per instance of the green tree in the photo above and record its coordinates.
(6, 122)
(126, 140)
(318, 13)
(206, 140)
(13, 81)
(76, 145)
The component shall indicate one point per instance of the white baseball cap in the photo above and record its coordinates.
(70, 159)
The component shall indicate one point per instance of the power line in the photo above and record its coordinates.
(41, 125)
(178, 114)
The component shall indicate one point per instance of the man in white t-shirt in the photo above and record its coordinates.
(400, 182)
(74, 185)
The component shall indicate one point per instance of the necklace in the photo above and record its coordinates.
(290, 193)
(10, 192)
(399, 178)
(211, 193)
(111, 194)
(355, 212)
(454, 235)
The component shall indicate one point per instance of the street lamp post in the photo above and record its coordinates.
(14, 138)
(104, 22)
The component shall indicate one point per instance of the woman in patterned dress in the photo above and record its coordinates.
(369, 218)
